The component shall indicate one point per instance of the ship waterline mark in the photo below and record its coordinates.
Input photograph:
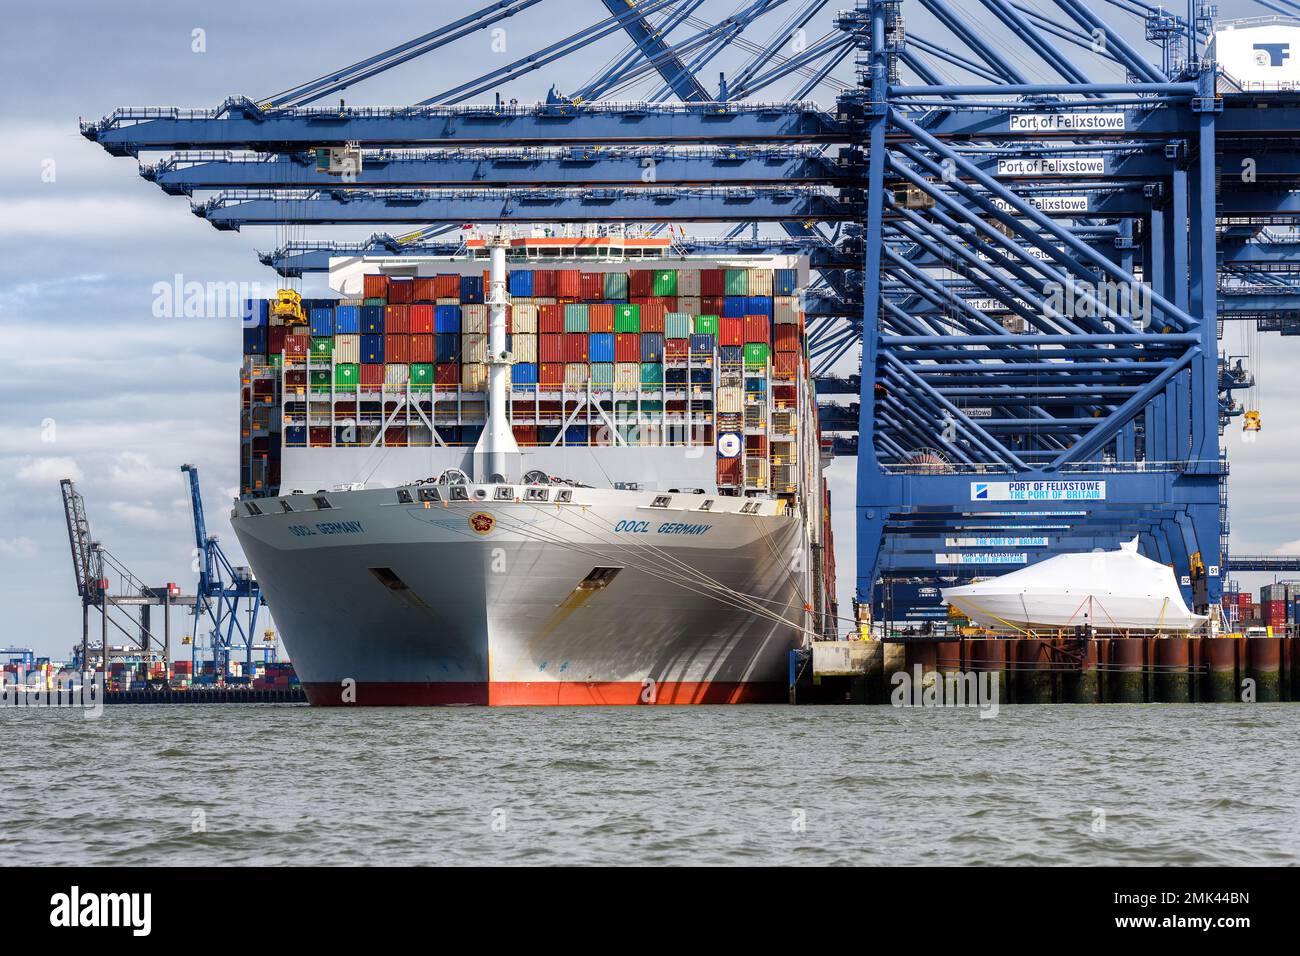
(921, 688)
(84, 692)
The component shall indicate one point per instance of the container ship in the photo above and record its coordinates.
(544, 472)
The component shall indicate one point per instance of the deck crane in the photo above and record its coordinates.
(223, 588)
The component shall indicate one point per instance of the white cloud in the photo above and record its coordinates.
(41, 471)
(144, 514)
(21, 547)
(135, 473)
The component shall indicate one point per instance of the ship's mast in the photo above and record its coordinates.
(496, 456)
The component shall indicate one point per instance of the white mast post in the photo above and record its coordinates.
(497, 451)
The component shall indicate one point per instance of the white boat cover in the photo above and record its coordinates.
(1107, 589)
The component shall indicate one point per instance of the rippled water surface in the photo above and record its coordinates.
(267, 785)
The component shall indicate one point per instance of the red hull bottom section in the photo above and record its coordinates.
(549, 694)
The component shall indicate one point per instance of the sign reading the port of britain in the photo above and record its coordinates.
(1038, 491)
(1066, 122)
(480, 522)
(982, 557)
(995, 542)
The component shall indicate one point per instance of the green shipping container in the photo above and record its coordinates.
(375, 301)
(422, 375)
(737, 282)
(665, 281)
(346, 377)
(575, 318)
(756, 355)
(652, 373)
(677, 325)
(616, 287)
(706, 325)
(627, 318)
(322, 346)
(320, 380)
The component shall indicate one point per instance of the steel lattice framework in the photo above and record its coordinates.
(1022, 272)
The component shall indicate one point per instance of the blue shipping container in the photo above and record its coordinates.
(322, 322)
(731, 354)
(521, 282)
(446, 318)
(256, 311)
(255, 340)
(295, 434)
(372, 320)
(372, 349)
(760, 305)
(471, 289)
(347, 319)
(524, 373)
(733, 306)
(575, 435)
(601, 348)
(447, 347)
(469, 434)
(652, 347)
(785, 281)
(702, 343)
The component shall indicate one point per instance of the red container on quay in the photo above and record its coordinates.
(712, 305)
(729, 471)
(627, 347)
(275, 337)
(677, 348)
(525, 434)
(640, 283)
(787, 364)
(652, 315)
(371, 374)
(296, 346)
(374, 287)
(421, 319)
(422, 349)
(576, 347)
(446, 287)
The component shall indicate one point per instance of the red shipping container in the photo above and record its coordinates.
(568, 283)
(319, 435)
(421, 319)
(401, 290)
(397, 349)
(600, 318)
(550, 320)
(627, 347)
(575, 347)
(786, 338)
(393, 435)
(372, 374)
(525, 434)
(422, 348)
(275, 339)
(729, 471)
(544, 283)
(787, 364)
(296, 346)
(712, 305)
(652, 316)
(677, 348)
(641, 283)
(550, 348)
(446, 287)
(713, 282)
(757, 329)
(551, 373)
(397, 318)
(446, 374)
(425, 290)
(374, 287)
(593, 286)
(731, 331)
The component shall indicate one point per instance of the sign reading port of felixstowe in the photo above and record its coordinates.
(1053, 166)
(1038, 490)
(1081, 122)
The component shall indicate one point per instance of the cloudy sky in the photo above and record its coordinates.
(99, 389)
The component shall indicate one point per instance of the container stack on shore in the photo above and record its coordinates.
(695, 356)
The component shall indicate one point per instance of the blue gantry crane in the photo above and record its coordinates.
(227, 596)
(1031, 222)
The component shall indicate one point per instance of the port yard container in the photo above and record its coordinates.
(446, 374)
(600, 317)
(550, 319)
(713, 282)
(602, 347)
(785, 310)
(735, 306)
(627, 376)
(702, 343)
(640, 283)
(760, 282)
(705, 324)
(544, 283)
(255, 340)
(652, 347)
(785, 281)
(576, 374)
(653, 315)
(447, 347)
(786, 364)
(550, 374)
(602, 374)
(347, 348)
(396, 374)
(664, 282)
(652, 374)
(424, 289)
(568, 283)
(423, 348)
(372, 319)
(688, 282)
(401, 290)
(422, 375)
(759, 305)
(523, 373)
(787, 338)
(627, 318)
(296, 346)
(371, 375)
(347, 320)
(731, 354)
(423, 319)
(756, 329)
(676, 349)
(737, 282)
(519, 282)
(346, 376)
(447, 319)
(550, 348)
(731, 330)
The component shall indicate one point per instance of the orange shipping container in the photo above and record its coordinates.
(652, 316)
(787, 338)
(375, 287)
(551, 374)
(550, 319)
(446, 287)
(550, 348)
(421, 319)
(600, 318)
(426, 289)
(544, 284)
(787, 364)
(568, 283)
(422, 349)
(756, 329)
(575, 347)
(400, 290)
(397, 318)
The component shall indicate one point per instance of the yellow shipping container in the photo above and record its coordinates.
(473, 377)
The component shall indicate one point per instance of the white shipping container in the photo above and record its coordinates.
(524, 347)
(544, 300)
(523, 318)
(397, 374)
(690, 304)
(731, 400)
(473, 319)
(517, 300)
(446, 301)
(785, 309)
(473, 348)
(576, 374)
(760, 281)
(473, 377)
(347, 348)
(688, 282)
(627, 375)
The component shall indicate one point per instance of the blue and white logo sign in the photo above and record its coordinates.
(729, 444)
(1272, 54)
(1082, 490)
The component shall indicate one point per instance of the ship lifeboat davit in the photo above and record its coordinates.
(1106, 589)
